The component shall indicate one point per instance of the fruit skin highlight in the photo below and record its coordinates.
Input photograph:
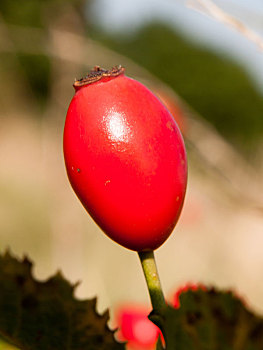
(125, 159)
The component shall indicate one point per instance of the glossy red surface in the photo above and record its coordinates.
(126, 161)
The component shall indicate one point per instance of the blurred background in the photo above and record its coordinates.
(209, 75)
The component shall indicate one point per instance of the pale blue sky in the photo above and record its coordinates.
(128, 15)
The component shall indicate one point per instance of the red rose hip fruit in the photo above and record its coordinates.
(125, 158)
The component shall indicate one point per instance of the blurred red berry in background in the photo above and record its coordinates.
(136, 328)
(174, 109)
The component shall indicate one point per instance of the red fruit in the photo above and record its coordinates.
(135, 328)
(125, 159)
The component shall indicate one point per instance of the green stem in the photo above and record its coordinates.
(152, 280)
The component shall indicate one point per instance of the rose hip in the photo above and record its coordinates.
(125, 158)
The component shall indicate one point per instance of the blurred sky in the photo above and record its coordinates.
(128, 15)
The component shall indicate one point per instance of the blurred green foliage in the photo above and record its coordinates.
(32, 12)
(37, 70)
(215, 86)
(22, 12)
(6, 346)
(39, 14)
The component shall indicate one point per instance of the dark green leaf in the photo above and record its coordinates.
(45, 315)
(210, 320)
